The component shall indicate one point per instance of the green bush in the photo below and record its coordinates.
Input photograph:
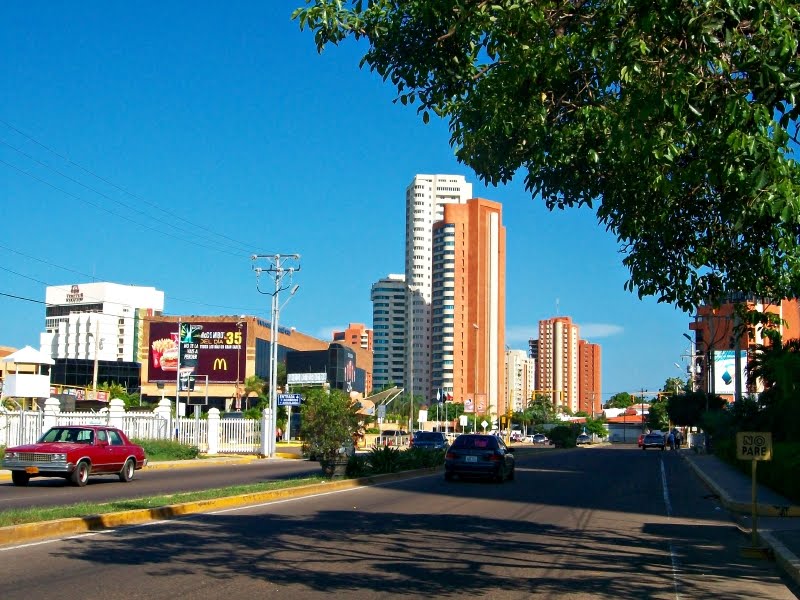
(563, 436)
(384, 459)
(167, 450)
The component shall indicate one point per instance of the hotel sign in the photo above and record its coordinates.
(74, 295)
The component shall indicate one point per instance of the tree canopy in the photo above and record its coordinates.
(674, 121)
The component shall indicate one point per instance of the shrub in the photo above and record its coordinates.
(384, 459)
(167, 450)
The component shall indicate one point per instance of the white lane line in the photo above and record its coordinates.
(668, 505)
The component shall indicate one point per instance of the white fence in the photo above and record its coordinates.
(229, 436)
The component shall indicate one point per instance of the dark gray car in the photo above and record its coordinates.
(430, 440)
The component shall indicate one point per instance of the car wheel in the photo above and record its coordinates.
(127, 471)
(20, 478)
(81, 474)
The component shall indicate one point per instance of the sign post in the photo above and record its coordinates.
(754, 446)
(289, 400)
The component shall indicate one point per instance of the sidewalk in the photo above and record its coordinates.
(778, 519)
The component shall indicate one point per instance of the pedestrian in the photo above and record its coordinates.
(671, 440)
(278, 434)
(678, 438)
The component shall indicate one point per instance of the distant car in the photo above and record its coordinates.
(654, 440)
(74, 452)
(516, 436)
(583, 439)
(539, 438)
(479, 455)
(430, 440)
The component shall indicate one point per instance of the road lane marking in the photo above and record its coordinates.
(672, 555)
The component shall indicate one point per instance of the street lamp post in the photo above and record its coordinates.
(278, 269)
(475, 385)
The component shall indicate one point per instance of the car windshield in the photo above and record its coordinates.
(69, 435)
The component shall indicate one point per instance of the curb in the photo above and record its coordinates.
(785, 558)
(31, 532)
(764, 509)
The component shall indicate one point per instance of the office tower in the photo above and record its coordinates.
(426, 197)
(520, 379)
(589, 388)
(388, 331)
(557, 366)
(468, 305)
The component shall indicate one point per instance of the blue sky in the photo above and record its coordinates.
(164, 144)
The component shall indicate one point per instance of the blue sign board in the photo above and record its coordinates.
(289, 399)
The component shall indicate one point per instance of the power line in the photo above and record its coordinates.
(115, 186)
(116, 214)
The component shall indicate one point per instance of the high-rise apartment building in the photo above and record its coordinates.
(426, 197)
(389, 331)
(520, 379)
(589, 388)
(468, 305)
(557, 367)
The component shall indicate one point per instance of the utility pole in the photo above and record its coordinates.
(280, 266)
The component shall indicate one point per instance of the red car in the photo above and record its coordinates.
(641, 439)
(75, 452)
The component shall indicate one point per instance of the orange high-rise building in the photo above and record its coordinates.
(468, 306)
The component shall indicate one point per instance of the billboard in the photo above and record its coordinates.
(725, 371)
(216, 349)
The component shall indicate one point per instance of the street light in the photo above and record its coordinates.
(475, 384)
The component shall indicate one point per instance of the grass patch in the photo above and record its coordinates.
(87, 509)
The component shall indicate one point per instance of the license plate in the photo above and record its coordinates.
(471, 459)
(32, 470)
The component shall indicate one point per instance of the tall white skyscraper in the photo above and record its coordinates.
(425, 200)
(388, 331)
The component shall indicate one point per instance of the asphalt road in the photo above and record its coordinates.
(149, 482)
(586, 523)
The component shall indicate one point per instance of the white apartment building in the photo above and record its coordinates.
(388, 331)
(102, 320)
(520, 379)
(425, 200)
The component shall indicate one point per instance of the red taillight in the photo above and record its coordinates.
(494, 457)
(450, 455)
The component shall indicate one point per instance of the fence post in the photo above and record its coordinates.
(164, 410)
(116, 413)
(213, 431)
(52, 406)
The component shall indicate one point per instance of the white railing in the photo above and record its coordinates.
(239, 436)
(232, 435)
(20, 427)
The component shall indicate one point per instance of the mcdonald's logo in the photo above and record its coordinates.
(220, 363)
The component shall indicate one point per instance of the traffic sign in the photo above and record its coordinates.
(289, 399)
(754, 445)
